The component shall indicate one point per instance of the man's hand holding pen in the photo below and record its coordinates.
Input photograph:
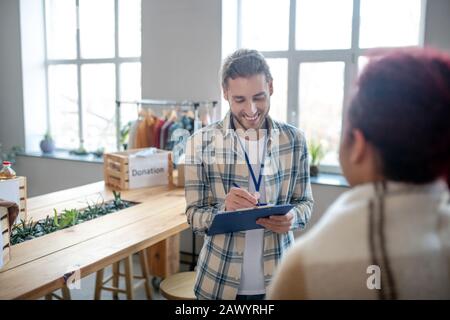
(239, 198)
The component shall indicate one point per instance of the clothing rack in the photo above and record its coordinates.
(186, 105)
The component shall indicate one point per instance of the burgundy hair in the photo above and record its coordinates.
(402, 107)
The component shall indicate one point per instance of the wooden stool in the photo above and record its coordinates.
(65, 294)
(179, 286)
(129, 276)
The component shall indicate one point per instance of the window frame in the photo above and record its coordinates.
(79, 62)
(297, 56)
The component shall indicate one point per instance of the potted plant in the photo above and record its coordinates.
(124, 135)
(81, 151)
(47, 145)
(11, 154)
(316, 152)
(99, 152)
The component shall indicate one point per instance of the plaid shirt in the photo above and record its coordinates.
(213, 162)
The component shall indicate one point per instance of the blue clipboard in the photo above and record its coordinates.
(233, 221)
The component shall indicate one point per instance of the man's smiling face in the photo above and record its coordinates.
(249, 100)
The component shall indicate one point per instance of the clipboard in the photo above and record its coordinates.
(242, 220)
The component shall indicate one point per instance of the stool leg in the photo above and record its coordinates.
(66, 293)
(115, 280)
(145, 275)
(48, 296)
(129, 276)
(98, 284)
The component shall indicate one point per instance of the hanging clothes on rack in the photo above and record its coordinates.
(165, 129)
(157, 132)
(132, 135)
(152, 131)
(145, 137)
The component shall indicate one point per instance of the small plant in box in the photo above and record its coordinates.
(28, 230)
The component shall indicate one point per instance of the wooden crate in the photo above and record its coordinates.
(22, 196)
(116, 169)
(5, 231)
(180, 172)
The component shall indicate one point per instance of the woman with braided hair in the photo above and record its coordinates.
(389, 236)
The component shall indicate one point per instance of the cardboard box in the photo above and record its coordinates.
(138, 168)
(15, 190)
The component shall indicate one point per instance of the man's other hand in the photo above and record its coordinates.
(278, 224)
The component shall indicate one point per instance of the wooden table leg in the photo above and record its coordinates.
(66, 293)
(145, 273)
(129, 277)
(98, 284)
(115, 280)
(164, 257)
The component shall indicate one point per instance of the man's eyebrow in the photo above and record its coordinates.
(262, 93)
(259, 94)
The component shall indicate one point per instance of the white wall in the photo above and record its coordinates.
(437, 26)
(46, 175)
(181, 49)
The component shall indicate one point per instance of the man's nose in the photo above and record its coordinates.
(251, 108)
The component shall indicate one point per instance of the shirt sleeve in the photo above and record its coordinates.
(302, 196)
(200, 202)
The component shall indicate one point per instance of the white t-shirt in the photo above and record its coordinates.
(252, 276)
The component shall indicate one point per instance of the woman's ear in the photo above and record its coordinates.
(271, 87)
(359, 147)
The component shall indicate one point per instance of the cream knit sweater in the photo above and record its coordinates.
(333, 259)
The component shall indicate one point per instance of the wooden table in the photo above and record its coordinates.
(37, 266)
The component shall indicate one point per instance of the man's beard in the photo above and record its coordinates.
(261, 124)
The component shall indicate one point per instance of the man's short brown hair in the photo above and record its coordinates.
(244, 63)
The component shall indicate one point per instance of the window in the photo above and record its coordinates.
(93, 50)
(315, 49)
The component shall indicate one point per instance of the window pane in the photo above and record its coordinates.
(265, 24)
(130, 89)
(129, 28)
(98, 92)
(321, 97)
(97, 28)
(387, 23)
(324, 24)
(63, 104)
(278, 101)
(61, 27)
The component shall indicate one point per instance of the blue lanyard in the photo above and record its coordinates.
(247, 160)
(257, 183)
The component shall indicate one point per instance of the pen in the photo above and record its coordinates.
(258, 204)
